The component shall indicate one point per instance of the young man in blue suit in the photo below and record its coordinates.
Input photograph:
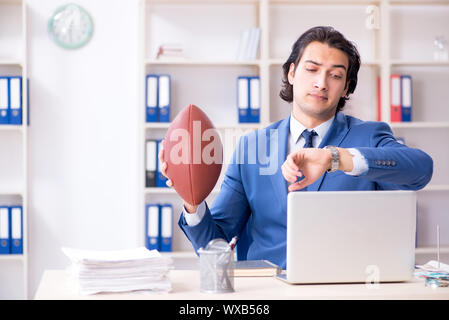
(317, 148)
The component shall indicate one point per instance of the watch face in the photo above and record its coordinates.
(70, 26)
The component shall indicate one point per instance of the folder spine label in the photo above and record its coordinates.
(16, 242)
(152, 98)
(15, 95)
(243, 99)
(4, 230)
(152, 227)
(164, 98)
(166, 217)
(4, 100)
(406, 98)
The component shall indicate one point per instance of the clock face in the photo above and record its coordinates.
(70, 26)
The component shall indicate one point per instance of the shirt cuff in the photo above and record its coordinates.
(359, 162)
(192, 219)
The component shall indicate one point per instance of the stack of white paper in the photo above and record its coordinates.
(118, 271)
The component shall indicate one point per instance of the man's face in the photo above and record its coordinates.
(318, 81)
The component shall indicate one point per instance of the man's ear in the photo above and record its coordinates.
(291, 73)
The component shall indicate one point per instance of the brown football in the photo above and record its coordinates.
(194, 154)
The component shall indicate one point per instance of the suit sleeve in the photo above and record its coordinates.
(229, 212)
(393, 165)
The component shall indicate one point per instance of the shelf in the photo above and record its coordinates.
(10, 62)
(9, 192)
(192, 62)
(419, 124)
(325, 2)
(419, 63)
(15, 2)
(165, 125)
(160, 190)
(431, 250)
(419, 2)
(7, 127)
(9, 257)
(204, 2)
(370, 63)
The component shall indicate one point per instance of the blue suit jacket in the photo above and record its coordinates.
(252, 202)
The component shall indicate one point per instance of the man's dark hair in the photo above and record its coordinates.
(333, 39)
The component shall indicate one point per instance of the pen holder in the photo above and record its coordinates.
(216, 270)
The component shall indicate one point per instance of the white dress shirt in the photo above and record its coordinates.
(295, 142)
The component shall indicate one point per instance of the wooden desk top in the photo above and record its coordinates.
(57, 285)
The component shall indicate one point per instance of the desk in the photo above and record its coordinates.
(56, 284)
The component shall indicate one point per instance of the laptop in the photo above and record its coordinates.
(350, 236)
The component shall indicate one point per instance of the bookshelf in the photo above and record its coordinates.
(384, 51)
(13, 138)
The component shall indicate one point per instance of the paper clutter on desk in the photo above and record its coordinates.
(119, 271)
(435, 273)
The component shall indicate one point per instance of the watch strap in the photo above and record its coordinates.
(335, 162)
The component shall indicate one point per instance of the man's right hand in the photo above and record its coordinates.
(189, 208)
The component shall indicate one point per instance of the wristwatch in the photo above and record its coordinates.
(335, 158)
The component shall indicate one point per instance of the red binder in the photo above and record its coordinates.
(395, 98)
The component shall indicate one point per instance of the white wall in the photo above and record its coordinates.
(83, 137)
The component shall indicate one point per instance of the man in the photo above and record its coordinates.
(323, 150)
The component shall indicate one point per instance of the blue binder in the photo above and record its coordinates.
(4, 100)
(254, 100)
(164, 98)
(166, 220)
(243, 99)
(150, 163)
(4, 230)
(16, 219)
(152, 226)
(406, 98)
(15, 100)
(160, 179)
(152, 98)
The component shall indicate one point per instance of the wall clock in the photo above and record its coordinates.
(71, 26)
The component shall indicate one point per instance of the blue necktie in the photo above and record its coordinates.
(308, 136)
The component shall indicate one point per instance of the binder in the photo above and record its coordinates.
(164, 98)
(166, 217)
(4, 100)
(160, 179)
(15, 96)
(254, 93)
(4, 230)
(16, 230)
(395, 98)
(243, 99)
(152, 98)
(406, 98)
(152, 226)
(150, 165)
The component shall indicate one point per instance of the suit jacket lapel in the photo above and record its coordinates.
(337, 132)
(278, 181)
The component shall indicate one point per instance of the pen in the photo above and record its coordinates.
(233, 242)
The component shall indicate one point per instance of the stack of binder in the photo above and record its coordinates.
(119, 271)
(158, 98)
(153, 174)
(158, 227)
(401, 98)
(248, 99)
(11, 100)
(11, 239)
(248, 45)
